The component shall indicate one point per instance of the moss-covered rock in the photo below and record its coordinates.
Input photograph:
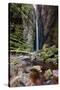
(49, 54)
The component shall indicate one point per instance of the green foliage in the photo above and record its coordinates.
(49, 54)
(17, 13)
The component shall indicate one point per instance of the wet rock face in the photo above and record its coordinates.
(28, 25)
(49, 18)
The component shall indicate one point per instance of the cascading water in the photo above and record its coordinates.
(39, 33)
(37, 38)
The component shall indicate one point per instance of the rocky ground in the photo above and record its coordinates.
(20, 66)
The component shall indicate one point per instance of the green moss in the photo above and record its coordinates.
(49, 54)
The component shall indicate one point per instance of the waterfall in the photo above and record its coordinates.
(37, 38)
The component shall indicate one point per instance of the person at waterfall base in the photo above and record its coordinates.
(34, 77)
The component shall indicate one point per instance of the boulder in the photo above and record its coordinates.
(47, 74)
(55, 73)
(36, 67)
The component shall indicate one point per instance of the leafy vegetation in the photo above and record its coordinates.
(18, 13)
(49, 54)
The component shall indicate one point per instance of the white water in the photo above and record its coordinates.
(37, 39)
